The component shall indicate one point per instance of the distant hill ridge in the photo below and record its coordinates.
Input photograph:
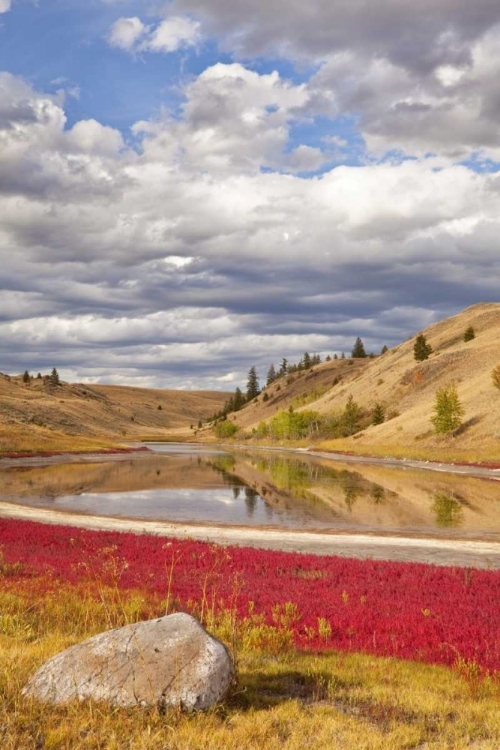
(42, 415)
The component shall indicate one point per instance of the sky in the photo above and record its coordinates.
(192, 188)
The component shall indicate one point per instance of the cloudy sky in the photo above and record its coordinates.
(190, 188)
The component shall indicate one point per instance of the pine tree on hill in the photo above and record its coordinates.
(378, 416)
(54, 377)
(26, 377)
(350, 417)
(421, 349)
(384, 349)
(283, 367)
(271, 375)
(306, 361)
(358, 350)
(253, 389)
(238, 399)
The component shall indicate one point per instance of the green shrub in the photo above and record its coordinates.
(226, 429)
(448, 411)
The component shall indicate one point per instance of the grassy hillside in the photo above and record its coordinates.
(406, 389)
(42, 416)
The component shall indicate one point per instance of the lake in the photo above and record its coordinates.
(199, 484)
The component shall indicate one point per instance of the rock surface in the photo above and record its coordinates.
(170, 662)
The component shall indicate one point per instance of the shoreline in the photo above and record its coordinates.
(474, 554)
(485, 469)
(428, 550)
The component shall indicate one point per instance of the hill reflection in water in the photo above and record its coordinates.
(200, 485)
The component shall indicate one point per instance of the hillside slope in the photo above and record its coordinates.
(41, 415)
(406, 388)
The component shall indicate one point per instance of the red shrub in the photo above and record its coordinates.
(413, 611)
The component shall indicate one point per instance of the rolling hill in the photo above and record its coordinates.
(42, 416)
(406, 389)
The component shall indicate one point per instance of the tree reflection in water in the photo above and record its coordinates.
(447, 510)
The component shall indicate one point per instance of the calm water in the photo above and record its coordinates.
(199, 484)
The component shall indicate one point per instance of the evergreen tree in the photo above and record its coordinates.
(306, 361)
(384, 349)
(271, 375)
(421, 349)
(283, 367)
(253, 389)
(351, 417)
(358, 350)
(342, 356)
(328, 358)
(469, 334)
(239, 399)
(448, 411)
(378, 416)
(26, 377)
(335, 356)
(54, 377)
(39, 376)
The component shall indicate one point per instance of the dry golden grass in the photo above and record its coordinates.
(407, 389)
(40, 417)
(34, 439)
(283, 698)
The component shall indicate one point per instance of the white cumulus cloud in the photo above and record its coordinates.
(171, 34)
(188, 260)
(126, 32)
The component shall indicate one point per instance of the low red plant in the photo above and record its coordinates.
(412, 611)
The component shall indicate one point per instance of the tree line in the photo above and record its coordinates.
(53, 378)
(239, 399)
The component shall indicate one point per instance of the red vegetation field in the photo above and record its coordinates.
(412, 611)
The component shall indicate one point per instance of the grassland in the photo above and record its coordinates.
(39, 416)
(406, 390)
(59, 586)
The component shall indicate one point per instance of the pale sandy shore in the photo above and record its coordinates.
(361, 546)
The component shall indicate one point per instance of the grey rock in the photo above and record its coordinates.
(170, 662)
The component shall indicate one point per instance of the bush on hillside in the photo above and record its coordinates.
(448, 411)
(495, 376)
(469, 334)
(226, 429)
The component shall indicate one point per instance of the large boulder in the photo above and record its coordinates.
(170, 662)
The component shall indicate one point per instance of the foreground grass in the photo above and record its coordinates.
(283, 698)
